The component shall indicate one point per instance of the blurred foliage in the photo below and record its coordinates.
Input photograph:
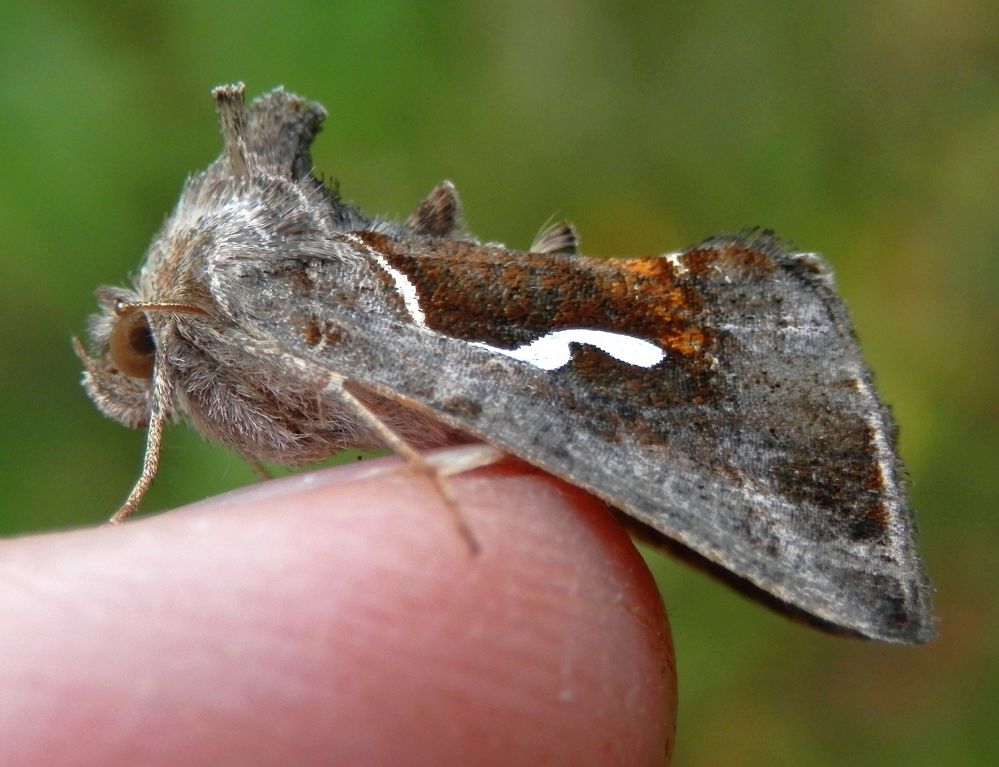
(866, 131)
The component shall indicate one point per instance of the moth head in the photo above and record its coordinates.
(119, 368)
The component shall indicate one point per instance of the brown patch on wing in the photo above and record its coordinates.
(740, 259)
(378, 241)
(302, 280)
(314, 331)
(509, 299)
(669, 386)
(834, 466)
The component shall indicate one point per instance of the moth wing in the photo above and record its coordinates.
(783, 475)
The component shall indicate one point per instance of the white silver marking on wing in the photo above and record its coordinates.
(551, 351)
(405, 287)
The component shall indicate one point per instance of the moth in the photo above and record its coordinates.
(715, 396)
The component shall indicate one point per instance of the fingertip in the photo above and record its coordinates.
(341, 617)
(555, 625)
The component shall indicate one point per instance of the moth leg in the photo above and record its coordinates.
(150, 463)
(256, 467)
(400, 447)
(458, 460)
(320, 410)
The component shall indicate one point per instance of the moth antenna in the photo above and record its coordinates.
(439, 213)
(337, 386)
(557, 237)
(124, 308)
(161, 395)
(229, 105)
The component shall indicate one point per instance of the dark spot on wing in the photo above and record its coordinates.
(463, 407)
(311, 333)
(301, 279)
(833, 466)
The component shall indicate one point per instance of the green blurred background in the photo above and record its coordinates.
(866, 130)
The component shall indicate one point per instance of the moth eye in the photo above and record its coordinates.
(131, 346)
